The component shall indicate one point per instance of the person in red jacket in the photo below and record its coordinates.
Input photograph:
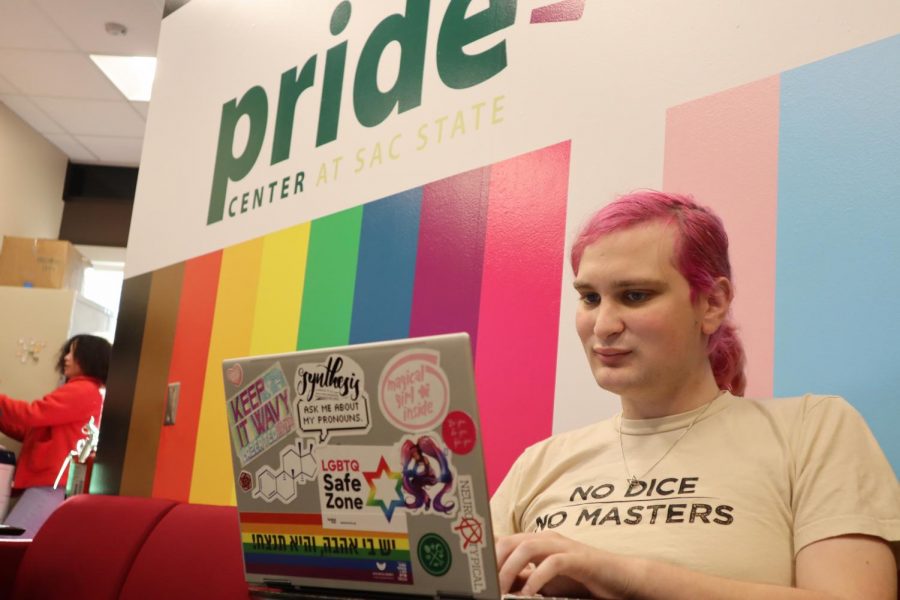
(50, 427)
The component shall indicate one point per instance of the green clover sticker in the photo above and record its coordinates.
(434, 554)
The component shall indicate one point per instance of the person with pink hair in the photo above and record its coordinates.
(692, 491)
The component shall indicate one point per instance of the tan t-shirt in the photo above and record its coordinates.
(751, 484)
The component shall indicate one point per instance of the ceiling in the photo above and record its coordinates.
(48, 79)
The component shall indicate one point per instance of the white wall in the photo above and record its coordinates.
(606, 81)
(32, 173)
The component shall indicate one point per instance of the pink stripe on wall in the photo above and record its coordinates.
(723, 149)
(515, 363)
(447, 282)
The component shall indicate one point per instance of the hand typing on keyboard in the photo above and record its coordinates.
(550, 564)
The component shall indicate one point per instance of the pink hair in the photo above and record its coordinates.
(701, 255)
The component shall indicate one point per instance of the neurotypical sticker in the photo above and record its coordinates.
(413, 390)
(428, 476)
(469, 526)
(331, 398)
(260, 414)
(297, 466)
(459, 432)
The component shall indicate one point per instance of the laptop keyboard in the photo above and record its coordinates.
(517, 597)
(267, 593)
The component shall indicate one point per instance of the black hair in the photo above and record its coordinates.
(91, 353)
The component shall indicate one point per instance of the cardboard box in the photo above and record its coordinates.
(31, 262)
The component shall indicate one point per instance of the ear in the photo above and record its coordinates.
(715, 309)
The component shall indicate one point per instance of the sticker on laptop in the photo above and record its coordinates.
(245, 481)
(331, 398)
(235, 374)
(260, 414)
(299, 543)
(469, 527)
(413, 391)
(297, 466)
(360, 487)
(428, 477)
(458, 432)
(434, 554)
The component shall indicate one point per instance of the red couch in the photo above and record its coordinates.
(119, 547)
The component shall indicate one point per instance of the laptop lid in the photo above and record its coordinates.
(360, 468)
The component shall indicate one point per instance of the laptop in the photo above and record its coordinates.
(359, 473)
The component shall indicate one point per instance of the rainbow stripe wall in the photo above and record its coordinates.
(804, 168)
(480, 252)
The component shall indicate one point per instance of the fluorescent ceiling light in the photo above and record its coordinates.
(133, 75)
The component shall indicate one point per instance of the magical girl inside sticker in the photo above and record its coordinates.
(413, 390)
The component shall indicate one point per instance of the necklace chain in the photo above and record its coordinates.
(633, 479)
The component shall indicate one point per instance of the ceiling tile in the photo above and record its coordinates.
(84, 23)
(59, 74)
(31, 114)
(124, 151)
(93, 117)
(75, 151)
(141, 107)
(23, 25)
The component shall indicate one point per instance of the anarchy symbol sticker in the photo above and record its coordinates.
(470, 531)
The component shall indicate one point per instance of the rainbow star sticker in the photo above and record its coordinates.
(395, 497)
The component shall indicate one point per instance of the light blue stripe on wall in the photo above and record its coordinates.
(837, 300)
(387, 262)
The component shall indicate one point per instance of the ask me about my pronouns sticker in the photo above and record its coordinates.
(413, 391)
(331, 398)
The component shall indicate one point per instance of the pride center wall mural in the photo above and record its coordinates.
(324, 173)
